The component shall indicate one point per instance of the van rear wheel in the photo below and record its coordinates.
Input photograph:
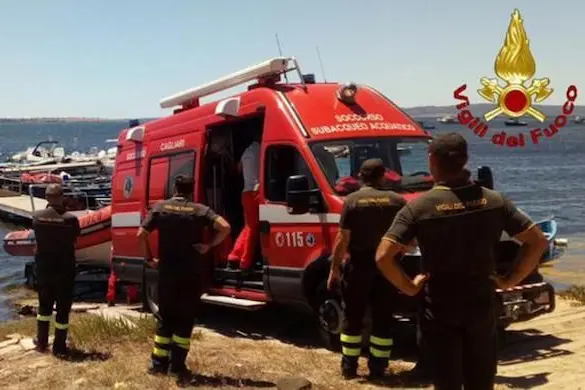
(151, 296)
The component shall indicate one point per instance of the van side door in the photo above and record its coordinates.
(289, 242)
(162, 171)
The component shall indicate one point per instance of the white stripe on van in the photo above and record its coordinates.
(274, 213)
(131, 219)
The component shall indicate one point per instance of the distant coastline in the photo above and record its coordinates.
(58, 120)
(418, 112)
(68, 120)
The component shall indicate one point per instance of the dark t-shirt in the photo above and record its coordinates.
(367, 214)
(55, 234)
(458, 230)
(180, 225)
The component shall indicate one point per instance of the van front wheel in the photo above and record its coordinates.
(329, 316)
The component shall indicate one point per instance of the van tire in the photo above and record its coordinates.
(151, 296)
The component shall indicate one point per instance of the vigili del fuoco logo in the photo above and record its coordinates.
(512, 94)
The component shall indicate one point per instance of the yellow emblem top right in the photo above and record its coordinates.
(515, 65)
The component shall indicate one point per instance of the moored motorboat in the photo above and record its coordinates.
(448, 119)
(515, 122)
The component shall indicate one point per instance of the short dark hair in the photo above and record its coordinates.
(184, 184)
(53, 191)
(451, 152)
(372, 170)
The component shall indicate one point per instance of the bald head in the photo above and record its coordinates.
(54, 194)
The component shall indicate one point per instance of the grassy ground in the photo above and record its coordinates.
(114, 353)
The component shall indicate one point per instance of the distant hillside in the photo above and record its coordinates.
(481, 108)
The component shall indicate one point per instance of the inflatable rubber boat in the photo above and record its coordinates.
(93, 245)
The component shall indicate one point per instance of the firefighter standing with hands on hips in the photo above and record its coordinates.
(56, 231)
(458, 225)
(180, 224)
(367, 215)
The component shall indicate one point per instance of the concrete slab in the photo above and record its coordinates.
(8, 342)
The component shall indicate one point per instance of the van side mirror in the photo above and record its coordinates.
(485, 177)
(298, 194)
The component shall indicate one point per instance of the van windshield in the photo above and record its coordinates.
(405, 160)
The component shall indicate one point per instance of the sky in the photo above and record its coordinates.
(119, 58)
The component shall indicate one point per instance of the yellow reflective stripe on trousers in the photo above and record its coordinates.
(345, 338)
(182, 342)
(43, 318)
(160, 352)
(379, 353)
(162, 340)
(381, 341)
(61, 326)
(351, 351)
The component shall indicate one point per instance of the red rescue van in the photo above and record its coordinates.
(314, 138)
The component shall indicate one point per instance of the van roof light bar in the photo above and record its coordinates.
(272, 67)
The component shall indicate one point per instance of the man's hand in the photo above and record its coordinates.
(153, 262)
(418, 283)
(334, 277)
(202, 248)
(501, 282)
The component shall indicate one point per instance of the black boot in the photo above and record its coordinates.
(60, 343)
(42, 339)
(349, 365)
(158, 367)
(377, 367)
(178, 366)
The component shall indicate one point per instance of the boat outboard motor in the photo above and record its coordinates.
(485, 177)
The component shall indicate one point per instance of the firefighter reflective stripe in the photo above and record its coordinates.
(162, 340)
(351, 351)
(182, 342)
(43, 318)
(345, 338)
(61, 326)
(162, 346)
(381, 341)
(351, 345)
(380, 347)
(160, 352)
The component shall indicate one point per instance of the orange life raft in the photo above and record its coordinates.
(93, 245)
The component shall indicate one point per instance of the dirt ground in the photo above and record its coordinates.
(255, 350)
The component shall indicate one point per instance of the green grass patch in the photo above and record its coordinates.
(25, 327)
(93, 331)
(574, 293)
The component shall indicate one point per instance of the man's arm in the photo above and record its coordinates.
(222, 228)
(219, 224)
(76, 227)
(143, 239)
(148, 225)
(396, 241)
(519, 226)
(340, 248)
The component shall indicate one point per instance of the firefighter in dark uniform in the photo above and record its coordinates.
(181, 225)
(458, 225)
(55, 233)
(367, 215)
